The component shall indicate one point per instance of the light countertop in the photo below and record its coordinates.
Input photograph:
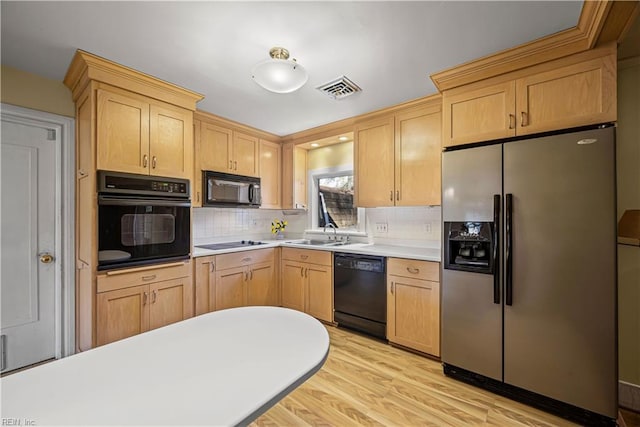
(221, 368)
(418, 253)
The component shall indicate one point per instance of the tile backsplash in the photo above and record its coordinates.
(412, 226)
(405, 226)
(218, 224)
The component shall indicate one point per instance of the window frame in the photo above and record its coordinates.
(312, 178)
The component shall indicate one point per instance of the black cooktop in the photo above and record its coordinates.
(230, 245)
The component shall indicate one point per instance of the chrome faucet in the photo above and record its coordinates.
(335, 231)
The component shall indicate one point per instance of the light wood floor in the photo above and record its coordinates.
(367, 382)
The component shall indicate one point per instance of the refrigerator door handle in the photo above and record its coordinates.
(508, 249)
(496, 240)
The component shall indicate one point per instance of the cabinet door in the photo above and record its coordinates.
(245, 154)
(205, 280)
(418, 145)
(122, 313)
(576, 95)
(122, 133)
(170, 141)
(215, 148)
(294, 177)
(230, 288)
(413, 313)
(478, 115)
(262, 288)
(374, 163)
(319, 291)
(270, 174)
(300, 199)
(170, 301)
(293, 281)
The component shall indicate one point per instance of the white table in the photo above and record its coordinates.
(221, 368)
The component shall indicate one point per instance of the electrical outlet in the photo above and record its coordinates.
(427, 227)
(381, 227)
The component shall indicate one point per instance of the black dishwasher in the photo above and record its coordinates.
(360, 294)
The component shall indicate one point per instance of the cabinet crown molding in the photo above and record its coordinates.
(86, 67)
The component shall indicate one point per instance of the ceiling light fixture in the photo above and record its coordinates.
(315, 144)
(343, 138)
(279, 74)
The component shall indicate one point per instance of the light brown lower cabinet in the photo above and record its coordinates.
(130, 302)
(413, 304)
(307, 282)
(236, 279)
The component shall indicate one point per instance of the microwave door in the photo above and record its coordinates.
(225, 191)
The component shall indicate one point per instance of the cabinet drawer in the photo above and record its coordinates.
(308, 255)
(424, 270)
(239, 259)
(120, 279)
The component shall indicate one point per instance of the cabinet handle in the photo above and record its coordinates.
(246, 259)
(246, 276)
(235, 164)
(213, 267)
(155, 297)
(301, 272)
(306, 272)
(398, 195)
(145, 161)
(231, 164)
(392, 285)
(413, 270)
(197, 196)
(154, 162)
(391, 196)
(251, 276)
(304, 256)
(147, 278)
(524, 119)
(145, 296)
(512, 121)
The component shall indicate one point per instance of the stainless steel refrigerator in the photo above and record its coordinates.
(529, 271)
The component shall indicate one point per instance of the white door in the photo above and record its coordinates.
(28, 185)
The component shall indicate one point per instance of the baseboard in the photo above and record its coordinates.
(629, 395)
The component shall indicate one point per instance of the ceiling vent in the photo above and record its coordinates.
(339, 88)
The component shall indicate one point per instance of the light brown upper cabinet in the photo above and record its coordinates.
(397, 158)
(374, 163)
(225, 150)
(271, 174)
(294, 177)
(569, 92)
(222, 149)
(140, 135)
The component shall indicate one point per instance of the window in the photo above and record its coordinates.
(334, 201)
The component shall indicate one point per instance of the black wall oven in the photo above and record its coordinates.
(142, 220)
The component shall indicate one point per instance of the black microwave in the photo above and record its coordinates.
(224, 189)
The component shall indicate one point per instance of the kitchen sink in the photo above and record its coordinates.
(312, 242)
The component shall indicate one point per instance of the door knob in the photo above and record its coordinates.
(46, 258)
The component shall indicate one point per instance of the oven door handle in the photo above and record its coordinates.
(119, 201)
